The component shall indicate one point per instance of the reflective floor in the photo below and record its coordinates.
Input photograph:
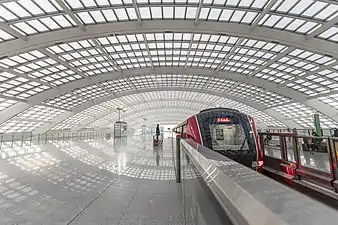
(317, 160)
(93, 182)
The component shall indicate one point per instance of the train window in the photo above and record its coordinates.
(226, 131)
(228, 137)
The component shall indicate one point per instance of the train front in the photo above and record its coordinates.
(230, 133)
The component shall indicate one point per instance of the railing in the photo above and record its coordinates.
(11, 140)
(250, 198)
(302, 157)
(325, 132)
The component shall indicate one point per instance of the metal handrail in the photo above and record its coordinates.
(37, 139)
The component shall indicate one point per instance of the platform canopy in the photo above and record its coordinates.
(67, 64)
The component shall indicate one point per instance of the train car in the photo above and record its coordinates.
(226, 131)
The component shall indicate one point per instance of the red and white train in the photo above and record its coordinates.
(226, 131)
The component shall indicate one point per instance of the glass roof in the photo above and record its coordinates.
(30, 119)
(83, 71)
(180, 104)
(304, 115)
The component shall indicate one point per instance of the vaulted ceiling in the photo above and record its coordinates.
(67, 64)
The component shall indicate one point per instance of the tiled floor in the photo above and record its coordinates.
(88, 182)
(99, 182)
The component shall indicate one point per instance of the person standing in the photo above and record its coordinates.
(335, 132)
(314, 144)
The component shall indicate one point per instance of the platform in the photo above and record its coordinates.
(94, 182)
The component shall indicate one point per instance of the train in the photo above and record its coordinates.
(226, 131)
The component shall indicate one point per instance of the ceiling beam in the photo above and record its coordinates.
(71, 14)
(272, 61)
(137, 11)
(319, 69)
(148, 49)
(232, 51)
(106, 54)
(198, 11)
(189, 49)
(323, 28)
(263, 13)
(43, 40)
(68, 87)
(62, 62)
(25, 76)
(12, 98)
(13, 32)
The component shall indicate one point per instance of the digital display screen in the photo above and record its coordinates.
(223, 120)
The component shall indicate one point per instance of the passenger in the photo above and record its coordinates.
(335, 132)
(158, 131)
(314, 144)
(306, 143)
(267, 138)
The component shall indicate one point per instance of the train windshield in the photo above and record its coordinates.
(228, 137)
(228, 132)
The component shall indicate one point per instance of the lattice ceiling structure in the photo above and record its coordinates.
(67, 64)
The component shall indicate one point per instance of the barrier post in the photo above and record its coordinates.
(333, 153)
(2, 138)
(22, 140)
(12, 141)
(296, 147)
(31, 140)
(178, 159)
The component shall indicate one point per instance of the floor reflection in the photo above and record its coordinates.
(51, 183)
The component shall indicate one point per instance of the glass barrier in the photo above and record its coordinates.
(313, 153)
(315, 158)
(272, 146)
(289, 147)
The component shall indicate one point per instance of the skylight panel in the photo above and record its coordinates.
(48, 22)
(25, 28)
(301, 6)
(145, 12)
(131, 13)
(314, 8)
(102, 2)
(109, 15)
(88, 3)
(249, 17)
(7, 15)
(37, 25)
(329, 33)
(85, 17)
(121, 14)
(62, 21)
(286, 5)
(31, 7)
(16, 9)
(327, 12)
(237, 16)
